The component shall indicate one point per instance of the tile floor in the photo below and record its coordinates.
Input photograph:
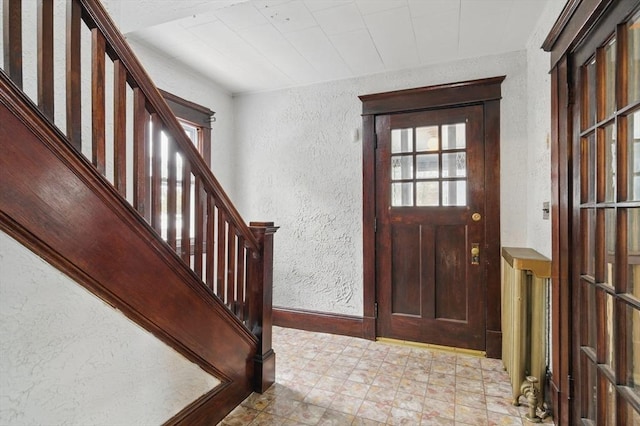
(324, 379)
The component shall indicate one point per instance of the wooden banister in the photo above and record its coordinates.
(95, 15)
(12, 28)
(260, 304)
(170, 185)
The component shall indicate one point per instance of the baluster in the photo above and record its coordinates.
(186, 211)
(74, 93)
(199, 225)
(120, 127)
(260, 297)
(140, 155)
(97, 100)
(45, 57)
(222, 222)
(12, 23)
(231, 267)
(171, 192)
(210, 239)
(156, 173)
(239, 309)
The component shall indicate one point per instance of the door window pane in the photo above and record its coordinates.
(402, 167)
(589, 390)
(587, 174)
(401, 140)
(427, 166)
(609, 78)
(633, 244)
(633, 59)
(633, 155)
(633, 379)
(454, 165)
(610, 247)
(427, 138)
(609, 337)
(427, 193)
(610, 399)
(633, 417)
(454, 193)
(610, 162)
(454, 136)
(589, 93)
(589, 329)
(588, 220)
(402, 194)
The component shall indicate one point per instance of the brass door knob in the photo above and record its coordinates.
(476, 217)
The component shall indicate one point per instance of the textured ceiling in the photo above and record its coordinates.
(254, 45)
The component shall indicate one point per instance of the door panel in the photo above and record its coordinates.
(429, 183)
(450, 283)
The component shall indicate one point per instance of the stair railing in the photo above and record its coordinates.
(139, 146)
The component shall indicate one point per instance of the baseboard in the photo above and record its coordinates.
(211, 407)
(494, 344)
(321, 322)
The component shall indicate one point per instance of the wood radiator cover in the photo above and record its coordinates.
(525, 310)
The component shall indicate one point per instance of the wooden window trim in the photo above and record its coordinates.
(196, 115)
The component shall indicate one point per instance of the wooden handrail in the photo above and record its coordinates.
(94, 14)
(233, 261)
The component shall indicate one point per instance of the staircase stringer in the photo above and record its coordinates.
(34, 153)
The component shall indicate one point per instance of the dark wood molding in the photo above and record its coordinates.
(438, 96)
(492, 229)
(321, 322)
(368, 221)
(211, 407)
(567, 12)
(57, 204)
(187, 110)
(482, 91)
(494, 344)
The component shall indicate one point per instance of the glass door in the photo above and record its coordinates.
(607, 224)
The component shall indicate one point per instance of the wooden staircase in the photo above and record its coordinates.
(208, 298)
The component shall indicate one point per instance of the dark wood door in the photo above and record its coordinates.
(430, 227)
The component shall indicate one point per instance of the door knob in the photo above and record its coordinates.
(475, 254)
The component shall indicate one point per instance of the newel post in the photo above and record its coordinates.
(260, 289)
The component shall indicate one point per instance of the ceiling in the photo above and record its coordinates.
(257, 45)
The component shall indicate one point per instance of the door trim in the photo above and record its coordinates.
(485, 92)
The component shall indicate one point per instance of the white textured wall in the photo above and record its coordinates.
(170, 76)
(298, 165)
(539, 130)
(66, 357)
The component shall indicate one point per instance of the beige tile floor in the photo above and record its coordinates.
(324, 379)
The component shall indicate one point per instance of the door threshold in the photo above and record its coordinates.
(471, 352)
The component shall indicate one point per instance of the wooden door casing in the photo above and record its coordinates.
(484, 92)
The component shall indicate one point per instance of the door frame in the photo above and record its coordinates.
(485, 92)
(578, 21)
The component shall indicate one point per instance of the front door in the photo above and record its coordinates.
(430, 208)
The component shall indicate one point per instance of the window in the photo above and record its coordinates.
(196, 122)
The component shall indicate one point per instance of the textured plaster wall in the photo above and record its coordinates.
(299, 163)
(66, 357)
(539, 130)
(170, 76)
